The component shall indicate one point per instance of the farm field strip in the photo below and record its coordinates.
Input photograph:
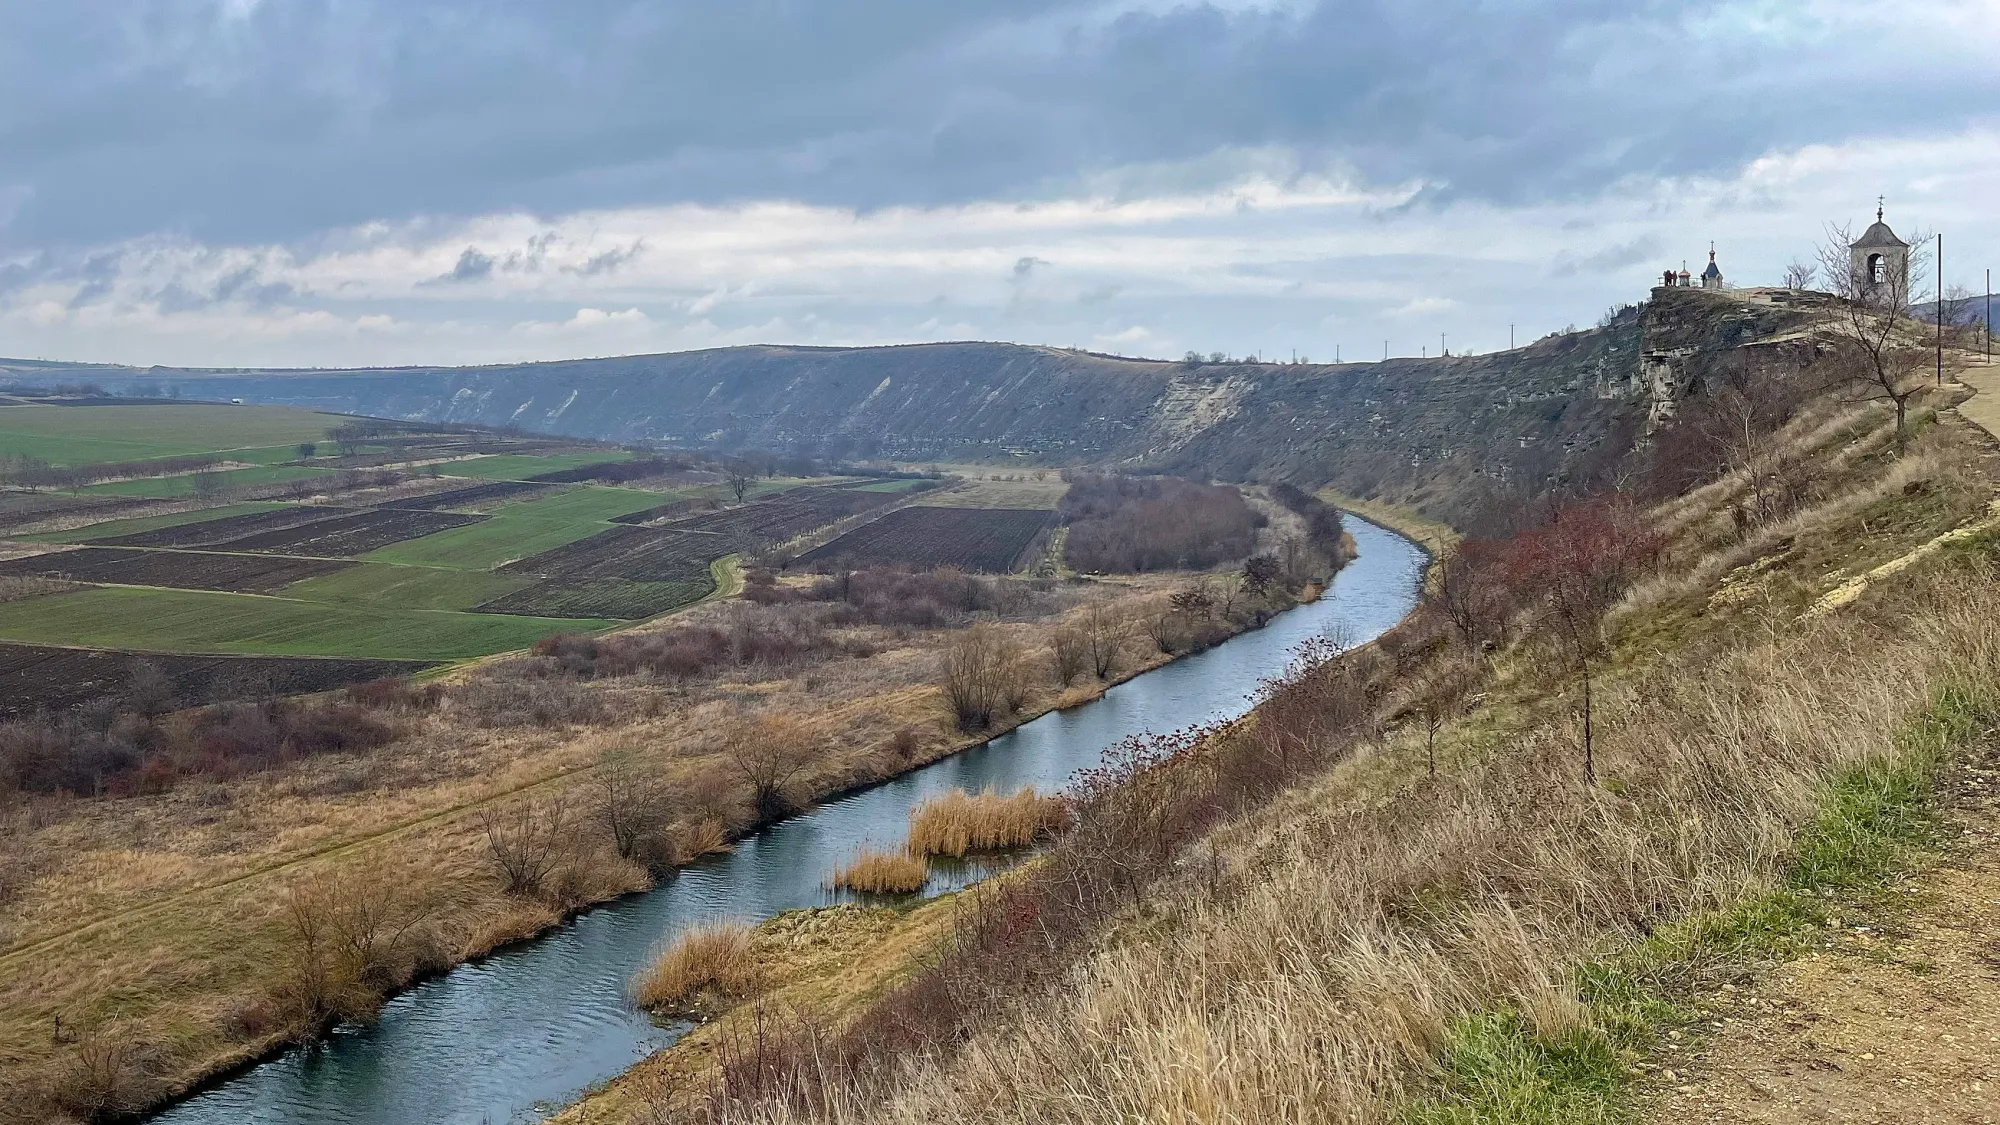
(208, 532)
(181, 570)
(386, 586)
(346, 536)
(79, 434)
(193, 621)
(33, 677)
(983, 539)
(522, 466)
(519, 529)
(604, 597)
(477, 494)
(184, 484)
(137, 525)
(637, 554)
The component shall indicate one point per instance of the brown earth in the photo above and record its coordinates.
(1894, 1018)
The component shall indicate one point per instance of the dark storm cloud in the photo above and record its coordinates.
(239, 120)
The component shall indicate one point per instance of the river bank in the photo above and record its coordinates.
(446, 1053)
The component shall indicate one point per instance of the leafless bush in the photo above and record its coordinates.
(527, 842)
(351, 937)
(1102, 640)
(1069, 653)
(633, 806)
(770, 755)
(976, 671)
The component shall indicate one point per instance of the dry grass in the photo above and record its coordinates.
(883, 873)
(958, 823)
(706, 968)
(1325, 952)
(162, 918)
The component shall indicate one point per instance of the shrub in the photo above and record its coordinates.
(883, 873)
(706, 968)
(1128, 524)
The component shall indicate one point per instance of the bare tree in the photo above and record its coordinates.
(740, 476)
(1163, 631)
(769, 754)
(1799, 276)
(975, 673)
(351, 936)
(527, 842)
(631, 804)
(1442, 689)
(1876, 349)
(1101, 640)
(1069, 652)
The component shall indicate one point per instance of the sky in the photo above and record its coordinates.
(379, 182)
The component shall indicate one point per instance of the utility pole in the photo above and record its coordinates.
(1940, 308)
(1442, 350)
(1510, 337)
(1336, 349)
(1989, 317)
(1385, 351)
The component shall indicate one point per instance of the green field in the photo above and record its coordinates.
(75, 435)
(521, 466)
(167, 488)
(197, 621)
(407, 587)
(108, 528)
(520, 529)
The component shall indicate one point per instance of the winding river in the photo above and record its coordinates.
(522, 1033)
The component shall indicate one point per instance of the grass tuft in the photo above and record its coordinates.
(958, 823)
(883, 873)
(706, 968)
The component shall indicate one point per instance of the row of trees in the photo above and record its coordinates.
(1121, 524)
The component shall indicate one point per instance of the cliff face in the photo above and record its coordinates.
(1415, 430)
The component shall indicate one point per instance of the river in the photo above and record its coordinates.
(518, 1035)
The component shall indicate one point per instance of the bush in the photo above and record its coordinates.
(1131, 524)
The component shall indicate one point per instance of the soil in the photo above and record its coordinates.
(1894, 1018)
(978, 539)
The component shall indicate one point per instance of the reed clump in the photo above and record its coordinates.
(706, 968)
(883, 873)
(958, 823)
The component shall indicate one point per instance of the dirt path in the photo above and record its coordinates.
(1895, 1018)
(1983, 408)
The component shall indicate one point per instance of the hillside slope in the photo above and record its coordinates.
(1415, 430)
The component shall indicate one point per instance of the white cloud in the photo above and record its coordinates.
(1310, 264)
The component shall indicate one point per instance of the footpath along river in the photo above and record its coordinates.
(524, 1032)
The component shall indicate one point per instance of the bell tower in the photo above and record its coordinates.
(1880, 263)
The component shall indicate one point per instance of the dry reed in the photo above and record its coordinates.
(883, 873)
(705, 968)
(958, 823)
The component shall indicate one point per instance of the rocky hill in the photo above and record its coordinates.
(1415, 430)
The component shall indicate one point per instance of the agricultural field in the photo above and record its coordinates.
(782, 517)
(209, 532)
(521, 528)
(195, 621)
(188, 484)
(993, 540)
(113, 531)
(178, 570)
(525, 466)
(34, 677)
(411, 587)
(83, 433)
(348, 535)
(474, 496)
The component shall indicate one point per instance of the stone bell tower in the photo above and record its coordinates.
(1880, 263)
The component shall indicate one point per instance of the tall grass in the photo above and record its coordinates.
(958, 823)
(705, 968)
(883, 873)
(1321, 961)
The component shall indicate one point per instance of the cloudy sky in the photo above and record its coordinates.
(337, 182)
